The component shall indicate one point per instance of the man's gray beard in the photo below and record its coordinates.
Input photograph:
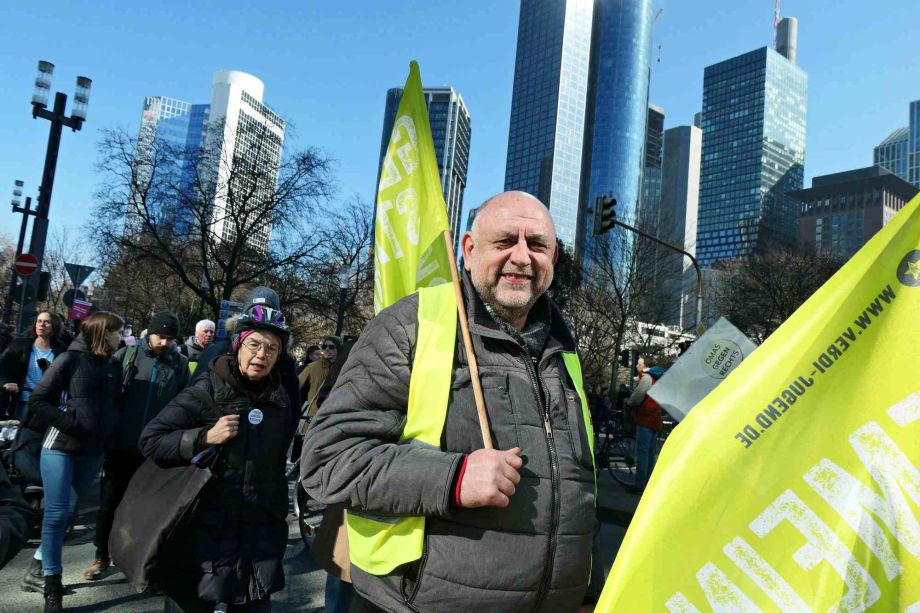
(509, 314)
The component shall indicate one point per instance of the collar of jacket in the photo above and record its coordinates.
(482, 324)
(229, 382)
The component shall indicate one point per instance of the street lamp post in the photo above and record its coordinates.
(26, 213)
(58, 120)
(344, 279)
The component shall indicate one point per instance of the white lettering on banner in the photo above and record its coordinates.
(678, 603)
(853, 501)
(890, 468)
(426, 266)
(408, 153)
(894, 474)
(765, 576)
(407, 205)
(823, 546)
(723, 595)
(386, 225)
(907, 411)
(390, 175)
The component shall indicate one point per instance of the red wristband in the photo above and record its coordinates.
(459, 480)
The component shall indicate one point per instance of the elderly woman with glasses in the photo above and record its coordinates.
(227, 552)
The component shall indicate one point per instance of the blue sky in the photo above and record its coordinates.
(327, 66)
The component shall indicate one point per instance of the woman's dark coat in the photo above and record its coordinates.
(78, 398)
(231, 545)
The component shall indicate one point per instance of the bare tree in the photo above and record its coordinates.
(760, 292)
(216, 222)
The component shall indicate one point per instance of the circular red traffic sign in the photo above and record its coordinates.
(26, 264)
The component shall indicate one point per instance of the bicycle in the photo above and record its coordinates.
(615, 444)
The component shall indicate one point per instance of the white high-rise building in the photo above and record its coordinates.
(252, 135)
(680, 190)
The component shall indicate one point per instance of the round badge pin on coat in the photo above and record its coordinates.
(255, 417)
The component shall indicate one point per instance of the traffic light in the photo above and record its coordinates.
(44, 282)
(604, 214)
(629, 358)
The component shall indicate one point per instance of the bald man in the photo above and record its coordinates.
(508, 529)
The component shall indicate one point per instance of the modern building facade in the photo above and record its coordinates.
(179, 126)
(900, 152)
(579, 108)
(548, 106)
(252, 135)
(678, 220)
(841, 211)
(621, 53)
(650, 213)
(451, 132)
(753, 155)
(891, 153)
(243, 131)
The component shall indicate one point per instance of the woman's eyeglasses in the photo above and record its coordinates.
(253, 347)
(330, 346)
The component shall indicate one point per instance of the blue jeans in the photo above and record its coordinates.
(338, 595)
(646, 449)
(64, 477)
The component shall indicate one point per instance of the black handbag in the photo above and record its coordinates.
(156, 501)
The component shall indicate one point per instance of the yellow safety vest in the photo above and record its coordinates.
(377, 545)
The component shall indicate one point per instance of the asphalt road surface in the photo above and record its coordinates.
(303, 593)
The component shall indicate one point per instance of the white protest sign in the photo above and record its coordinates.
(708, 361)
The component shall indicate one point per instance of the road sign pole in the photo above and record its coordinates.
(22, 305)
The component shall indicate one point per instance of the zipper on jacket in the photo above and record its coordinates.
(540, 394)
(410, 598)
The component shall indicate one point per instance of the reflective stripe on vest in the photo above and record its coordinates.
(378, 545)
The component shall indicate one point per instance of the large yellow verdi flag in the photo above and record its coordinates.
(411, 215)
(795, 485)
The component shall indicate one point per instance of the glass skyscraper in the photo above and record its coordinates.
(252, 133)
(578, 111)
(545, 140)
(900, 152)
(753, 155)
(620, 70)
(652, 173)
(891, 153)
(451, 132)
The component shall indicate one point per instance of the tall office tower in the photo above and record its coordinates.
(548, 104)
(579, 107)
(252, 135)
(680, 188)
(651, 174)
(900, 152)
(621, 52)
(842, 211)
(180, 126)
(451, 131)
(753, 154)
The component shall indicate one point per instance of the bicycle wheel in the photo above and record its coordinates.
(619, 459)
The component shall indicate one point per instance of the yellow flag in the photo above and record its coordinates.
(409, 251)
(795, 485)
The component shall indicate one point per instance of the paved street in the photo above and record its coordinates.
(304, 591)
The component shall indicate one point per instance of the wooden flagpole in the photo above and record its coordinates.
(468, 344)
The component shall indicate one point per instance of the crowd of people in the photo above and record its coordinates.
(93, 409)
(422, 514)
